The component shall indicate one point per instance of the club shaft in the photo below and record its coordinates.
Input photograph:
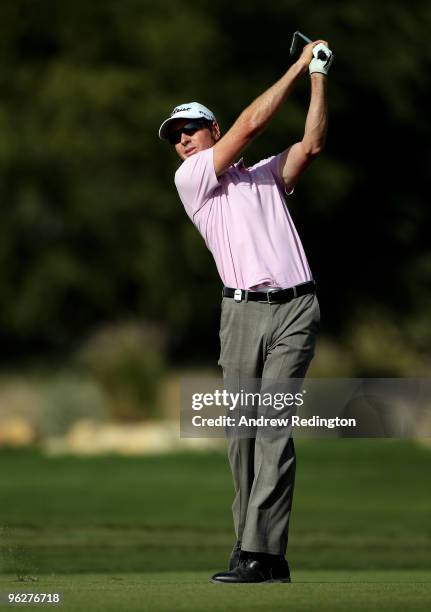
(307, 40)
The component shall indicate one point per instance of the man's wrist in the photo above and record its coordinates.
(318, 75)
(301, 67)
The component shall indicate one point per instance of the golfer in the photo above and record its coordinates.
(270, 313)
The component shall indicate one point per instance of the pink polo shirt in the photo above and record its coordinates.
(244, 220)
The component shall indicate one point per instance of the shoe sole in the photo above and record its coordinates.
(272, 580)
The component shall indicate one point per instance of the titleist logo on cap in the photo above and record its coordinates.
(180, 109)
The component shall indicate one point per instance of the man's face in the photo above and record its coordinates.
(202, 139)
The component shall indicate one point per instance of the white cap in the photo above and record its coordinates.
(189, 110)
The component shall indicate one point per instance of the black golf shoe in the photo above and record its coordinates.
(250, 569)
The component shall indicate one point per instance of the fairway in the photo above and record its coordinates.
(146, 533)
(191, 592)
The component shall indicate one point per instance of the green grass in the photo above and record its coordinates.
(389, 591)
(150, 531)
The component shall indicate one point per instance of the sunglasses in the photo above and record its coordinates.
(189, 129)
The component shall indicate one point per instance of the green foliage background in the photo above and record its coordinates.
(92, 228)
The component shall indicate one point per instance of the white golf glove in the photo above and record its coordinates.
(319, 63)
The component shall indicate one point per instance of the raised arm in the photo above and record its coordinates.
(253, 120)
(298, 157)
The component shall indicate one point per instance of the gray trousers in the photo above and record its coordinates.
(269, 342)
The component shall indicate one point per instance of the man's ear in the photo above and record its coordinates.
(215, 131)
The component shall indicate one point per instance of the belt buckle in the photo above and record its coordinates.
(237, 296)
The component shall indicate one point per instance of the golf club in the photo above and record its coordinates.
(321, 55)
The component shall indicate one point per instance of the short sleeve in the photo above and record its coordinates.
(196, 181)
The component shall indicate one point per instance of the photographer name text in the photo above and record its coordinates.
(293, 421)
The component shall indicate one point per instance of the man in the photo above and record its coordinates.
(270, 312)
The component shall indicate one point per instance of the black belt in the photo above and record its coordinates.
(278, 295)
